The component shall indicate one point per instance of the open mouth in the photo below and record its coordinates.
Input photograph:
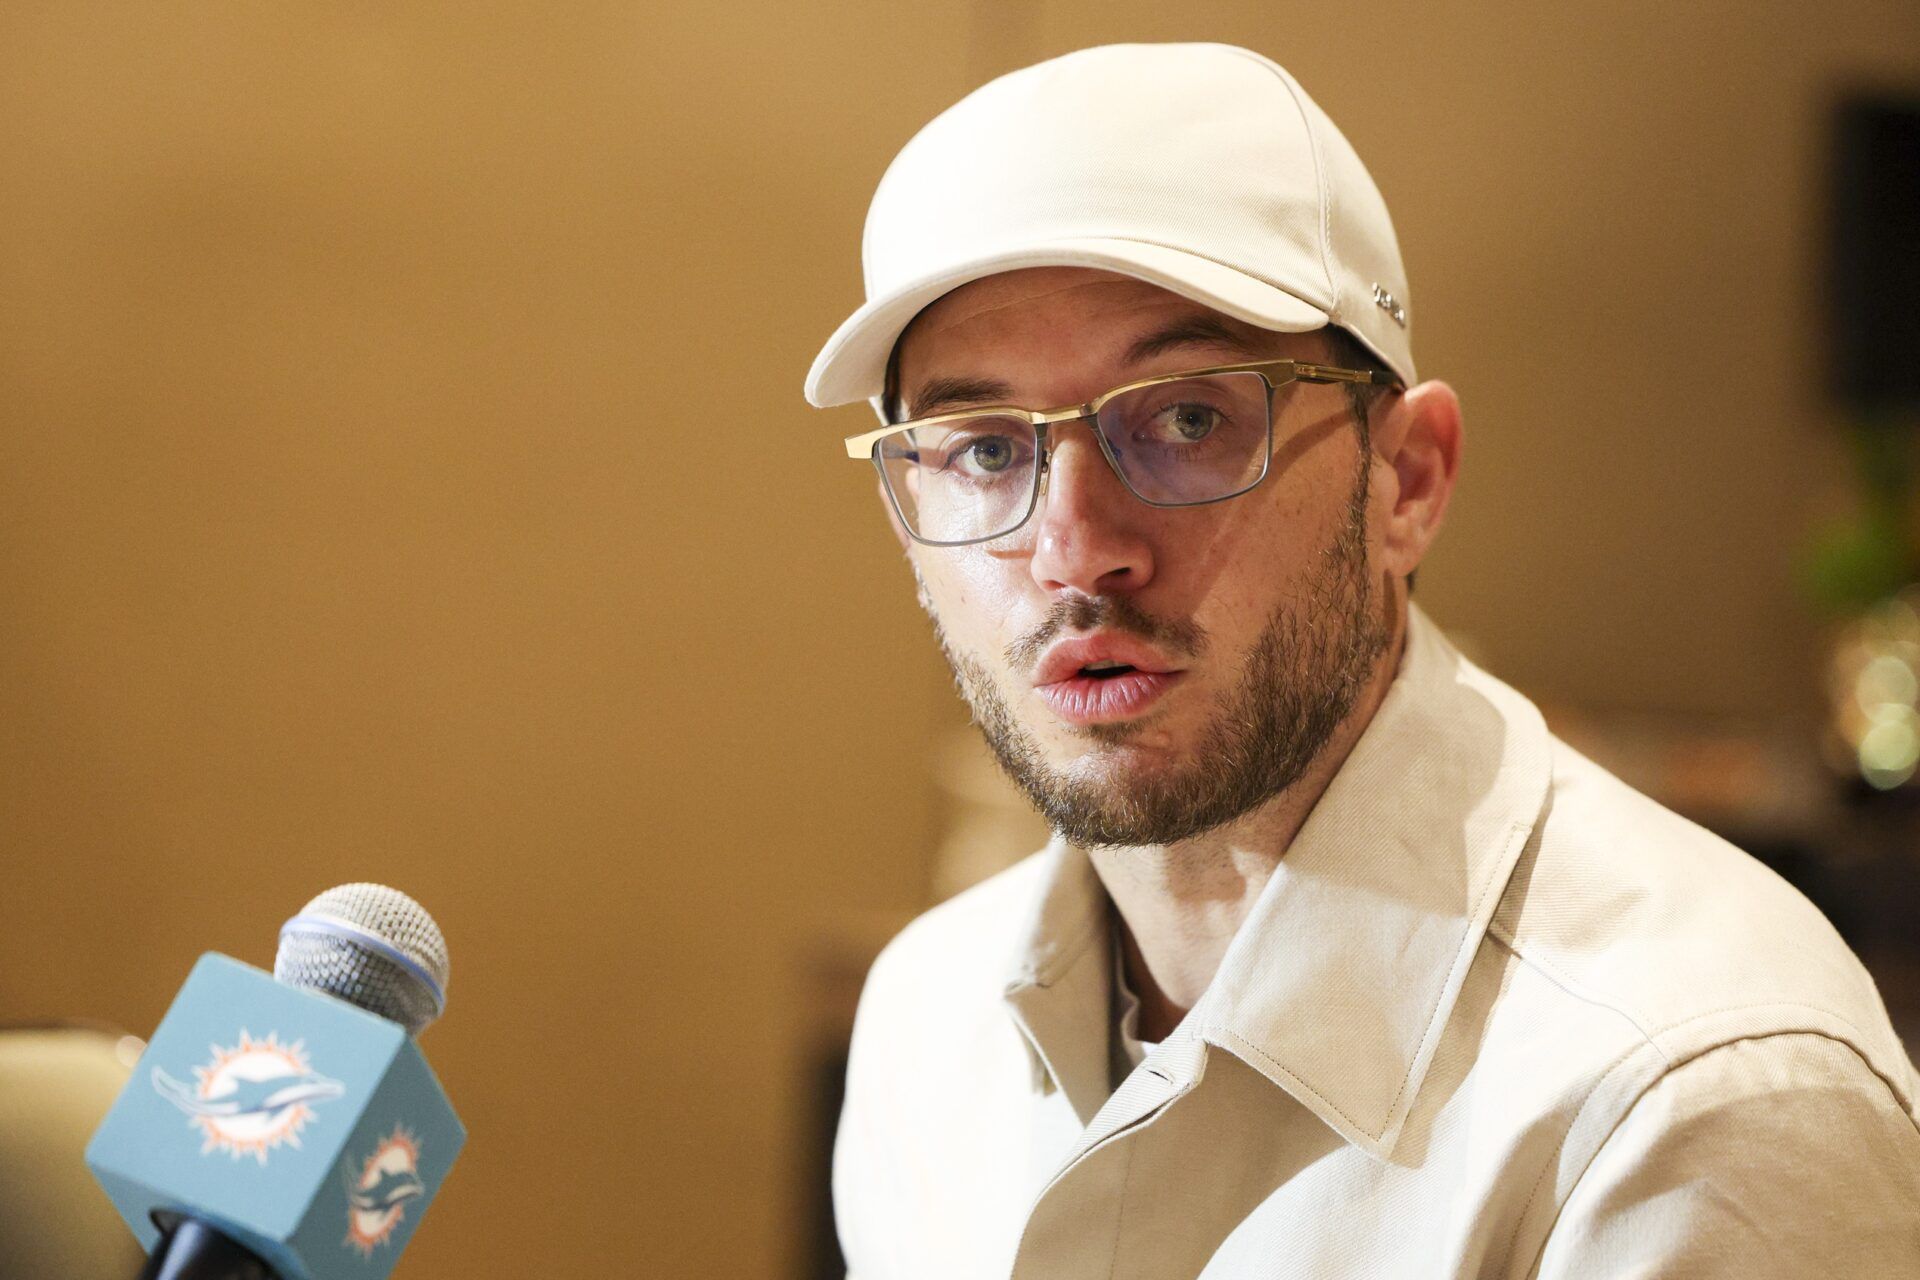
(1106, 671)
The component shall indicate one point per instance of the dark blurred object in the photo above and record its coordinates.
(1858, 560)
(1862, 569)
(824, 1260)
(56, 1082)
(1875, 276)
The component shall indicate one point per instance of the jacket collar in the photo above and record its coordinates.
(1338, 983)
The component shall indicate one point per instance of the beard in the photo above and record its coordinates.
(1298, 683)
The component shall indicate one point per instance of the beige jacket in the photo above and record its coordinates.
(1495, 1014)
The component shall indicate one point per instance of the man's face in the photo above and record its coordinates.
(1251, 625)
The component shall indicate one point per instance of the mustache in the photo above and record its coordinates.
(1181, 637)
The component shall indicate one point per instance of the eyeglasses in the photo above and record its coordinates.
(1181, 440)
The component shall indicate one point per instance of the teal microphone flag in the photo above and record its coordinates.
(308, 1130)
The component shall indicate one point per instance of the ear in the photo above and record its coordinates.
(1418, 437)
(893, 516)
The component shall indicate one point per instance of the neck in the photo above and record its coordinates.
(1178, 906)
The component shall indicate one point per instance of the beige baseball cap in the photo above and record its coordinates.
(1202, 168)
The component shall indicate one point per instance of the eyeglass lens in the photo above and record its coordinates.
(1173, 443)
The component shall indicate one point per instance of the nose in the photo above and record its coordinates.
(1090, 531)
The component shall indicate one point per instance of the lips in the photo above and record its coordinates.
(1099, 678)
(1069, 658)
(1085, 700)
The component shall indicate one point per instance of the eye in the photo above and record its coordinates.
(1190, 422)
(989, 453)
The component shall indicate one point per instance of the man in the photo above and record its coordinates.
(1339, 964)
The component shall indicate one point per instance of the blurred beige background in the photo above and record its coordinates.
(404, 475)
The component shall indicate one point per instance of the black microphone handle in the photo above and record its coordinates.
(189, 1249)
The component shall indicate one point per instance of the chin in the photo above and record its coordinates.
(1112, 751)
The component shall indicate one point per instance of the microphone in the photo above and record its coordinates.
(287, 1127)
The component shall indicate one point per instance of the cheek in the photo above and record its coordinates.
(973, 594)
(1233, 623)
(1252, 557)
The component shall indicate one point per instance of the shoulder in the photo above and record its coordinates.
(1777, 1156)
(933, 1025)
(932, 1051)
(962, 946)
(1728, 1089)
(1622, 903)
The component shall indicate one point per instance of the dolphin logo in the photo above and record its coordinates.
(250, 1098)
(392, 1187)
(380, 1189)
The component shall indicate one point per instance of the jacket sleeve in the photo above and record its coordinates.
(1783, 1156)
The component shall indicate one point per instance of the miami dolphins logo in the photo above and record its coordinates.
(250, 1098)
(377, 1196)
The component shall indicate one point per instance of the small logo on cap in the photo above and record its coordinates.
(1391, 305)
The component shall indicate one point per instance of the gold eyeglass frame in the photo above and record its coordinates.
(1275, 373)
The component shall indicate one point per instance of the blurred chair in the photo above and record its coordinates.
(56, 1082)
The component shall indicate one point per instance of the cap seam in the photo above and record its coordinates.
(1319, 172)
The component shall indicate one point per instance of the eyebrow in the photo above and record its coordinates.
(1199, 331)
(1192, 331)
(942, 392)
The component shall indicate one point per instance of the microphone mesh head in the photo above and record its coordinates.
(371, 946)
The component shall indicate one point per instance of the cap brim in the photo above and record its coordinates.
(853, 364)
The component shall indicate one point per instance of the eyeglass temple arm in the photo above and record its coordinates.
(1332, 373)
(861, 446)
